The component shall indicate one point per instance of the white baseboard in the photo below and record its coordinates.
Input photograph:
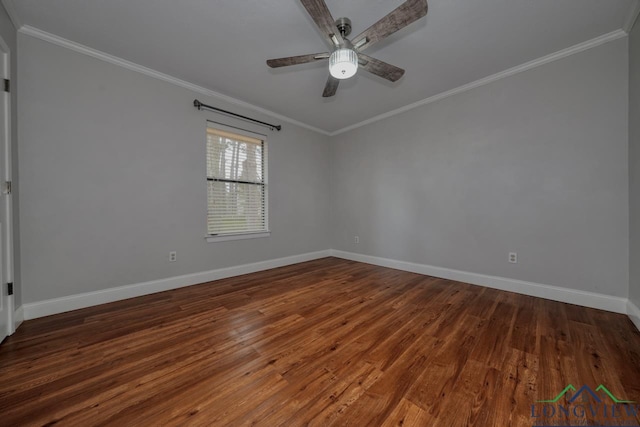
(18, 317)
(571, 296)
(73, 302)
(634, 313)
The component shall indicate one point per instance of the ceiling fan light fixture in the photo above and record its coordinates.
(343, 63)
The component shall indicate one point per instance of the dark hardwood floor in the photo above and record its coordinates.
(327, 342)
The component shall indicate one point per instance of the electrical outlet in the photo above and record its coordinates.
(356, 239)
(173, 256)
(513, 257)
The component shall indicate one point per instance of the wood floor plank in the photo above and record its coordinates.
(378, 403)
(408, 414)
(326, 342)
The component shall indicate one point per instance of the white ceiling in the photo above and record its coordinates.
(223, 45)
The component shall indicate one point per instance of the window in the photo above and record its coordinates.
(236, 182)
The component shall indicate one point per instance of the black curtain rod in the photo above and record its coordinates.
(199, 105)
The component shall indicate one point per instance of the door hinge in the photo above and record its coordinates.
(10, 288)
(7, 85)
(7, 187)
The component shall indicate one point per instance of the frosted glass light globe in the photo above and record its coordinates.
(343, 63)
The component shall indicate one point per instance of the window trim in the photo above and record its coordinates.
(236, 236)
(211, 238)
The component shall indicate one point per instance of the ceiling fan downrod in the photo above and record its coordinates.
(344, 26)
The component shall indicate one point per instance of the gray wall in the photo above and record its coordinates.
(535, 163)
(9, 35)
(112, 171)
(634, 164)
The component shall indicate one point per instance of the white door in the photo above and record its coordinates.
(6, 302)
(5, 315)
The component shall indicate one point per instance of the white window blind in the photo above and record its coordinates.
(236, 182)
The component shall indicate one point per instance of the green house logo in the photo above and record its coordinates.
(586, 389)
(582, 406)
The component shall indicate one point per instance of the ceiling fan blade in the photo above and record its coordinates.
(331, 87)
(320, 14)
(295, 60)
(403, 15)
(380, 68)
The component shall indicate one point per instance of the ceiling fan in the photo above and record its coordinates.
(346, 55)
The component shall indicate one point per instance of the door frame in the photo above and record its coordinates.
(6, 233)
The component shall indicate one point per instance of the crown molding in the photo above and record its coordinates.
(605, 38)
(77, 47)
(632, 16)
(10, 7)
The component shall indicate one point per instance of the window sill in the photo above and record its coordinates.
(227, 237)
